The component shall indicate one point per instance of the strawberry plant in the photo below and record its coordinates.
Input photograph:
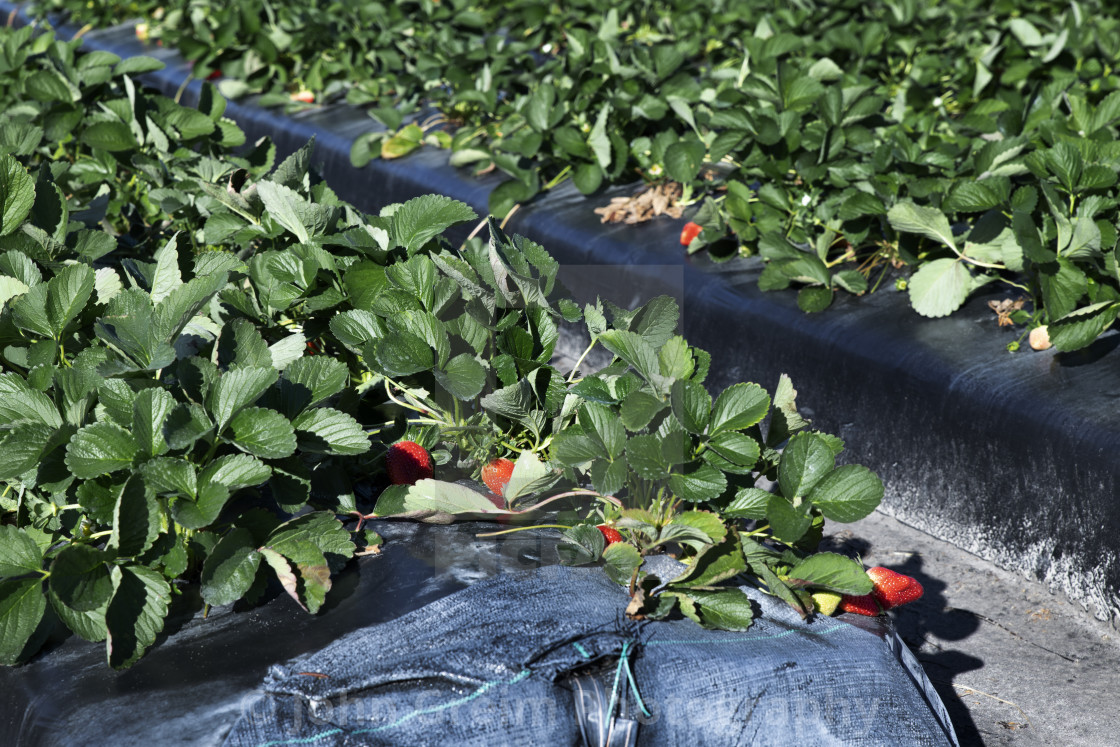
(640, 445)
(840, 142)
(163, 422)
(118, 153)
(191, 393)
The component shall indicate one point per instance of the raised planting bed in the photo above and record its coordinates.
(217, 374)
(1008, 456)
(207, 675)
(970, 143)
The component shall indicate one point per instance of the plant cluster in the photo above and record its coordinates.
(970, 142)
(662, 464)
(204, 353)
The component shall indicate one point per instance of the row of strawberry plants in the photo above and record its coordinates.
(204, 405)
(968, 142)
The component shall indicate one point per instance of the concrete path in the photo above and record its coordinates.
(1014, 664)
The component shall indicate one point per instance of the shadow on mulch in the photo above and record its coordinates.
(929, 615)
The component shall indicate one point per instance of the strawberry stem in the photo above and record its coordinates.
(522, 529)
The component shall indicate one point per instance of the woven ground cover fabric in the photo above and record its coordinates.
(494, 664)
(193, 684)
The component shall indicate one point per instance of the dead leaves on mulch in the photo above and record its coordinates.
(1005, 308)
(653, 200)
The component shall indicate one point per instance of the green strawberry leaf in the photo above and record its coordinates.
(100, 449)
(419, 220)
(22, 448)
(22, 605)
(749, 503)
(847, 493)
(580, 545)
(691, 404)
(136, 613)
(136, 519)
(17, 194)
(202, 510)
(715, 563)
(620, 561)
(789, 523)
(80, 577)
(168, 475)
(739, 407)
(237, 389)
(311, 381)
(20, 403)
(725, 609)
(448, 498)
(150, 410)
(530, 476)
(230, 568)
(184, 425)
(287, 207)
(19, 555)
(463, 377)
(68, 292)
(1079, 328)
(938, 288)
(235, 471)
(909, 217)
(264, 433)
(698, 482)
(831, 572)
(601, 425)
(806, 459)
(324, 430)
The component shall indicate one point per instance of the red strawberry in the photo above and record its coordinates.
(610, 534)
(407, 462)
(214, 75)
(496, 475)
(305, 96)
(893, 589)
(689, 232)
(890, 590)
(861, 605)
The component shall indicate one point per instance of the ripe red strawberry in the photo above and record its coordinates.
(496, 475)
(893, 589)
(689, 232)
(214, 75)
(890, 590)
(610, 534)
(407, 462)
(862, 605)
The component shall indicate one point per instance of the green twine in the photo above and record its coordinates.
(624, 665)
